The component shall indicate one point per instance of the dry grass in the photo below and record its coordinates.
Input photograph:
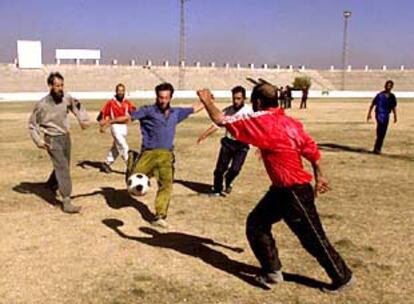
(108, 253)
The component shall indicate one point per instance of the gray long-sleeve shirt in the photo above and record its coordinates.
(51, 118)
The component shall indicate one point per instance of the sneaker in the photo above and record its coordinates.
(105, 168)
(228, 189)
(216, 194)
(160, 223)
(67, 206)
(337, 288)
(270, 279)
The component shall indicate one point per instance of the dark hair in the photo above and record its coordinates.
(52, 76)
(389, 82)
(239, 89)
(165, 86)
(119, 85)
(267, 94)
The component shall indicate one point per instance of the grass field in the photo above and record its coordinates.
(110, 254)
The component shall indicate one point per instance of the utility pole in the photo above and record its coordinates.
(347, 15)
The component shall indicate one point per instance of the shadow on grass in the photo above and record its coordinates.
(39, 189)
(198, 247)
(195, 186)
(337, 147)
(120, 198)
(84, 164)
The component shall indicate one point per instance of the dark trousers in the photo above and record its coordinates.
(295, 205)
(303, 104)
(59, 152)
(382, 126)
(229, 163)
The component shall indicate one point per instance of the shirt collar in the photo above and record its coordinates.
(277, 110)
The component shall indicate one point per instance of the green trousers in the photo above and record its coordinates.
(158, 163)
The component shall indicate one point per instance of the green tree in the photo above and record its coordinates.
(301, 82)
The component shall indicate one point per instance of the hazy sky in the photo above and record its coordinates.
(282, 32)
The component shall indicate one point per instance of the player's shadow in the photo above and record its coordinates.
(120, 198)
(84, 164)
(39, 189)
(199, 247)
(195, 186)
(337, 147)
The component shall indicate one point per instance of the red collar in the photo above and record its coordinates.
(277, 110)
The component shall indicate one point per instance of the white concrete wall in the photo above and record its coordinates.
(34, 96)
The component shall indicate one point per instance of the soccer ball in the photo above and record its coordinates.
(138, 184)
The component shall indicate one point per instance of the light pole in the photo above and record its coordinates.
(182, 53)
(347, 15)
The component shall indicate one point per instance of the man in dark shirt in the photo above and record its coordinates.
(158, 123)
(305, 92)
(385, 102)
(232, 152)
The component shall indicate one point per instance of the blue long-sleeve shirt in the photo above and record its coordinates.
(158, 130)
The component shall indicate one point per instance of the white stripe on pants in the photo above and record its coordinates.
(119, 146)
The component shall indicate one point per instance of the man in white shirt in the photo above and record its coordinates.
(232, 152)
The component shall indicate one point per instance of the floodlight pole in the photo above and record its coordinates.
(182, 54)
(347, 15)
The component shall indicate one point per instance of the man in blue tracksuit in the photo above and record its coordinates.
(384, 103)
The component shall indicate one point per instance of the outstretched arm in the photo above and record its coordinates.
(208, 100)
(210, 130)
(197, 107)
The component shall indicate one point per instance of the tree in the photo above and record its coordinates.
(300, 82)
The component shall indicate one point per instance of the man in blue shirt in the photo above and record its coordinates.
(158, 123)
(384, 103)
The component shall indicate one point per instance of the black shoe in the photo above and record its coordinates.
(105, 168)
(378, 152)
(337, 288)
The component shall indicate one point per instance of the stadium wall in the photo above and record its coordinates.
(191, 94)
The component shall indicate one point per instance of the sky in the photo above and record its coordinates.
(297, 32)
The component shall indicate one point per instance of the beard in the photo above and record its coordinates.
(57, 96)
(119, 97)
(238, 107)
(163, 108)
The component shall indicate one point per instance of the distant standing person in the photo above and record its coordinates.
(288, 97)
(116, 113)
(50, 118)
(232, 152)
(305, 92)
(384, 103)
(282, 95)
(158, 123)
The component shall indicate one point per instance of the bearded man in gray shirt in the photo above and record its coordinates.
(49, 118)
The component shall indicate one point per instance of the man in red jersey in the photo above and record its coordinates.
(282, 143)
(116, 114)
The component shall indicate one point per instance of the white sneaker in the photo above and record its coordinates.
(160, 223)
(335, 289)
(270, 279)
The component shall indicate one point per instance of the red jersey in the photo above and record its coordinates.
(113, 108)
(282, 142)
